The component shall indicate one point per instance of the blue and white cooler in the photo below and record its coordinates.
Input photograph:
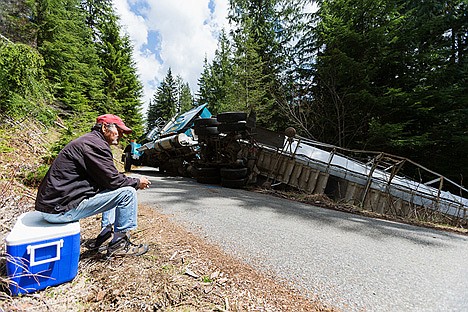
(41, 254)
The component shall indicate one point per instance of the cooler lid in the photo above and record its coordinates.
(31, 227)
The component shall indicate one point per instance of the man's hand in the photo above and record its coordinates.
(144, 183)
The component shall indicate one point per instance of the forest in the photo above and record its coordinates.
(381, 75)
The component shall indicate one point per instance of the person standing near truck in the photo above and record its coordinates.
(83, 181)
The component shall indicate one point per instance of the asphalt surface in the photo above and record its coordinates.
(346, 261)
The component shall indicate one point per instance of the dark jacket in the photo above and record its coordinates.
(82, 169)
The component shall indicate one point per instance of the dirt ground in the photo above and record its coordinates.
(181, 272)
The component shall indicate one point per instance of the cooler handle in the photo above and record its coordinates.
(32, 252)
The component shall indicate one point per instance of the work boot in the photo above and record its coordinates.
(124, 247)
(98, 243)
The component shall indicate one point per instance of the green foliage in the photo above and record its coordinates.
(204, 93)
(76, 65)
(206, 279)
(15, 21)
(217, 84)
(34, 178)
(185, 98)
(165, 102)
(4, 139)
(259, 57)
(71, 61)
(23, 88)
(251, 85)
(75, 126)
(245, 72)
(20, 70)
(122, 89)
(386, 76)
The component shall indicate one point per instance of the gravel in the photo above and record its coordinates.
(348, 261)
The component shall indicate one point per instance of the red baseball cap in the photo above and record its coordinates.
(113, 119)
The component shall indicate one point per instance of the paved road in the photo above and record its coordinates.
(348, 261)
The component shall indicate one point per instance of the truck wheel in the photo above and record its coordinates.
(205, 122)
(233, 174)
(232, 117)
(232, 127)
(208, 172)
(128, 162)
(206, 130)
(208, 175)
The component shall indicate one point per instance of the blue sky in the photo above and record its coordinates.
(171, 33)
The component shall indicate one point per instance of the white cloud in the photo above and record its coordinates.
(187, 31)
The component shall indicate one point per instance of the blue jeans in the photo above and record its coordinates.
(118, 207)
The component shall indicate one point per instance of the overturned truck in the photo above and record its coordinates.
(230, 150)
(196, 144)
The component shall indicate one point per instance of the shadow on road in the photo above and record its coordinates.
(194, 194)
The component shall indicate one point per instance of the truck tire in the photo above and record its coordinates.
(206, 130)
(233, 173)
(232, 127)
(128, 161)
(207, 172)
(229, 117)
(205, 122)
(208, 175)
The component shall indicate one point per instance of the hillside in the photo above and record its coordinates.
(181, 272)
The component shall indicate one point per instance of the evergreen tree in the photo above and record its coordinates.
(250, 84)
(257, 41)
(348, 43)
(122, 89)
(434, 39)
(204, 86)
(224, 97)
(71, 62)
(152, 114)
(217, 81)
(164, 104)
(298, 49)
(185, 100)
(386, 75)
(23, 87)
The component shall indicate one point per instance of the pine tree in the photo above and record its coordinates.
(434, 39)
(250, 81)
(164, 104)
(389, 75)
(185, 100)
(71, 62)
(203, 95)
(152, 114)
(224, 93)
(217, 81)
(122, 89)
(258, 57)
